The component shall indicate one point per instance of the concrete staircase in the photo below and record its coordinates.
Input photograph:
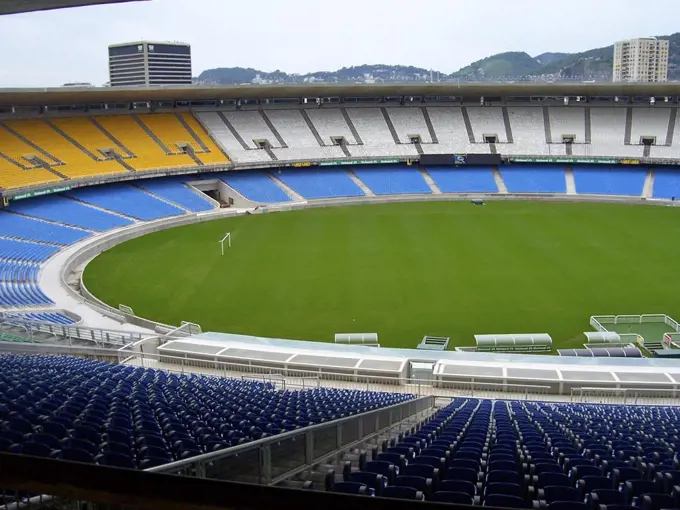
(390, 125)
(351, 126)
(312, 127)
(42, 153)
(502, 188)
(108, 211)
(629, 126)
(546, 125)
(158, 197)
(428, 123)
(648, 188)
(152, 135)
(273, 129)
(569, 178)
(367, 191)
(233, 131)
(193, 133)
(287, 189)
(430, 182)
(468, 124)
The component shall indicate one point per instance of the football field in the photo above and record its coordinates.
(404, 270)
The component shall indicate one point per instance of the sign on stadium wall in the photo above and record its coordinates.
(360, 162)
(583, 161)
(41, 192)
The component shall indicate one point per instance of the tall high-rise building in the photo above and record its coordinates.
(147, 63)
(641, 60)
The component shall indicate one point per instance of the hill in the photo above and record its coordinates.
(594, 64)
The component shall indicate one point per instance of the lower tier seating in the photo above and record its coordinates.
(323, 183)
(174, 190)
(117, 415)
(534, 179)
(56, 318)
(255, 186)
(393, 180)
(464, 180)
(24, 227)
(126, 199)
(604, 180)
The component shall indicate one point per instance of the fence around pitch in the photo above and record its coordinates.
(599, 322)
(273, 459)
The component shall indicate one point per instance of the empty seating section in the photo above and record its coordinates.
(214, 156)
(324, 183)
(221, 133)
(19, 285)
(69, 212)
(528, 455)
(464, 180)
(448, 123)
(251, 126)
(373, 130)
(76, 163)
(255, 186)
(25, 251)
(16, 225)
(487, 121)
(57, 318)
(608, 132)
(12, 175)
(83, 131)
(409, 121)
(174, 190)
(528, 133)
(650, 122)
(89, 411)
(534, 179)
(393, 180)
(169, 131)
(125, 199)
(567, 120)
(609, 180)
(299, 137)
(666, 183)
(149, 155)
(329, 123)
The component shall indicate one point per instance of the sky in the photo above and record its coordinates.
(51, 48)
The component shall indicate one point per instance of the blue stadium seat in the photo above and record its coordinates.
(609, 180)
(534, 179)
(31, 229)
(176, 191)
(321, 183)
(502, 501)
(463, 179)
(458, 498)
(393, 180)
(255, 186)
(396, 492)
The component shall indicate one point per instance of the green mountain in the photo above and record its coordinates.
(594, 64)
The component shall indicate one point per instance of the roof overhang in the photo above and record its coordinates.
(17, 6)
(67, 96)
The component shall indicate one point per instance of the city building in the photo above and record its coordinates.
(641, 60)
(147, 63)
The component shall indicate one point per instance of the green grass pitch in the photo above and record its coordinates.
(404, 270)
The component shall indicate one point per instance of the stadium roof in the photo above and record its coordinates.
(17, 6)
(65, 96)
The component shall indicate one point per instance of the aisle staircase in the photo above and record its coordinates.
(430, 182)
(502, 188)
(367, 191)
(287, 189)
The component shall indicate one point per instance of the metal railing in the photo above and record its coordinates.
(630, 396)
(273, 459)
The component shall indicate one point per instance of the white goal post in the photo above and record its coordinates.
(227, 238)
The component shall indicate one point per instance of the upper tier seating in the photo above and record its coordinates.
(605, 180)
(126, 199)
(534, 179)
(174, 190)
(324, 183)
(25, 251)
(62, 155)
(123, 416)
(148, 154)
(464, 180)
(16, 225)
(221, 133)
(666, 183)
(255, 186)
(69, 212)
(531, 455)
(392, 180)
(487, 121)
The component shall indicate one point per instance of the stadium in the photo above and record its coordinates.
(308, 294)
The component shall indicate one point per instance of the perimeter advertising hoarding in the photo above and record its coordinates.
(360, 162)
(39, 193)
(567, 160)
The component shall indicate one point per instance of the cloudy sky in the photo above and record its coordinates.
(55, 47)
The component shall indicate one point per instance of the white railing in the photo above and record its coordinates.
(641, 396)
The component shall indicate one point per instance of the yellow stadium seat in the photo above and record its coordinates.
(149, 154)
(13, 176)
(215, 156)
(76, 163)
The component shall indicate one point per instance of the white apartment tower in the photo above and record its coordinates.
(641, 60)
(147, 63)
